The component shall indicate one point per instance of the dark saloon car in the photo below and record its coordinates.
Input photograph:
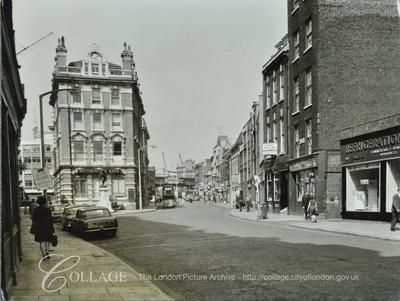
(68, 213)
(94, 219)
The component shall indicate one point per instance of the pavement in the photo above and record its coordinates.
(80, 271)
(371, 229)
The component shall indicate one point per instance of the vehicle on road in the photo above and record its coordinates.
(94, 219)
(68, 213)
(57, 211)
(167, 198)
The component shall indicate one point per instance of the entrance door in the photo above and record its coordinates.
(284, 190)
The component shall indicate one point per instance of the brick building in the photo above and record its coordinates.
(98, 128)
(275, 122)
(343, 67)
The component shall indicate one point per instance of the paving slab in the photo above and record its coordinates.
(90, 274)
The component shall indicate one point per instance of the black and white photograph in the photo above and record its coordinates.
(200, 150)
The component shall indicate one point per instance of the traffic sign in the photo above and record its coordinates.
(42, 178)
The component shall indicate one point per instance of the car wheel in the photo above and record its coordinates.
(113, 233)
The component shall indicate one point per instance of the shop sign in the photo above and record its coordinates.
(379, 145)
(303, 165)
(115, 171)
(364, 181)
(270, 149)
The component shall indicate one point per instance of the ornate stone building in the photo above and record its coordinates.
(98, 127)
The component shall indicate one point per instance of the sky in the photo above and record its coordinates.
(198, 61)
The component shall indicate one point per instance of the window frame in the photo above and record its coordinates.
(308, 88)
(96, 101)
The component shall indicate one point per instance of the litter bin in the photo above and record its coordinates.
(264, 211)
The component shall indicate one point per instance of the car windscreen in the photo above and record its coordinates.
(96, 213)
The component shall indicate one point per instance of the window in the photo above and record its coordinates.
(86, 68)
(115, 99)
(296, 106)
(267, 92)
(80, 187)
(97, 150)
(117, 148)
(96, 96)
(27, 160)
(76, 95)
(268, 131)
(95, 68)
(308, 100)
(118, 185)
(78, 150)
(297, 141)
(116, 122)
(274, 130)
(296, 45)
(78, 123)
(282, 133)
(274, 90)
(28, 183)
(48, 148)
(308, 43)
(97, 122)
(281, 84)
(309, 136)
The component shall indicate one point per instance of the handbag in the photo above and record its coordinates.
(54, 240)
(32, 230)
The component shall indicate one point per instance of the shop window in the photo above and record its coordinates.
(362, 188)
(392, 181)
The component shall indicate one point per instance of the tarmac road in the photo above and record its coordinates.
(199, 252)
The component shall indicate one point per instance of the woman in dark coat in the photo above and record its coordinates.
(43, 225)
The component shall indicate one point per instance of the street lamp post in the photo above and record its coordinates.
(42, 150)
(140, 176)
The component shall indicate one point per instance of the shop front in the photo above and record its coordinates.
(276, 183)
(370, 174)
(303, 177)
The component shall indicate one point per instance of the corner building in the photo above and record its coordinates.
(343, 66)
(98, 127)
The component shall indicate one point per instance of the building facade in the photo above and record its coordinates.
(13, 110)
(31, 159)
(275, 125)
(336, 81)
(370, 160)
(99, 129)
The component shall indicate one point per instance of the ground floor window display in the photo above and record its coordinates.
(363, 186)
(392, 181)
(273, 190)
(305, 183)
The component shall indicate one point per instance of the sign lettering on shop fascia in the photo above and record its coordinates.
(373, 144)
(270, 149)
(377, 146)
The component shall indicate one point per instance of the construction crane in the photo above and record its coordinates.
(165, 164)
(180, 158)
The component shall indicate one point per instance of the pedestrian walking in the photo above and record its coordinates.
(312, 209)
(305, 202)
(395, 209)
(43, 227)
(248, 203)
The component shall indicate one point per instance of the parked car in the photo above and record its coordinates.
(57, 211)
(68, 213)
(94, 219)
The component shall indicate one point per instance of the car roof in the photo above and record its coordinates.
(93, 208)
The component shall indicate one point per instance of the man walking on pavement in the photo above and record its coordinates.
(395, 209)
(305, 201)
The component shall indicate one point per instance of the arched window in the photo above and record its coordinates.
(78, 148)
(98, 153)
(118, 148)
